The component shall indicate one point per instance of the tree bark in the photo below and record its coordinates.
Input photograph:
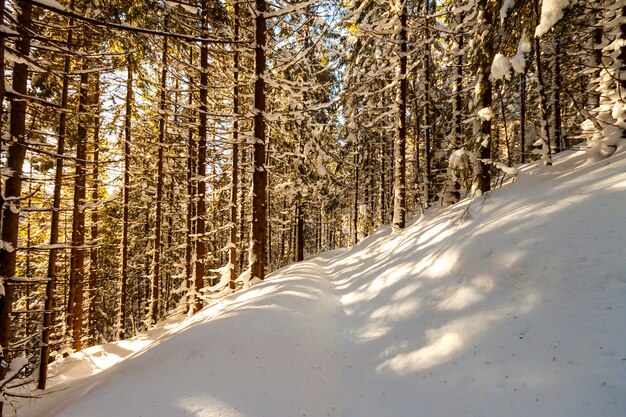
(93, 260)
(399, 202)
(77, 253)
(191, 192)
(544, 132)
(232, 237)
(156, 271)
(54, 222)
(482, 181)
(128, 118)
(428, 180)
(259, 173)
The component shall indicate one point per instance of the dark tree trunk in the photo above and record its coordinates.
(355, 208)
(485, 100)
(13, 185)
(523, 117)
(428, 183)
(557, 85)
(232, 237)
(54, 222)
(93, 261)
(299, 233)
(128, 118)
(202, 134)
(259, 173)
(544, 132)
(191, 190)
(156, 272)
(77, 254)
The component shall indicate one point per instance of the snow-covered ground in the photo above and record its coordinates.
(513, 305)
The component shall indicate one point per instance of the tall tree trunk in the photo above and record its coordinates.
(454, 194)
(484, 98)
(93, 261)
(259, 174)
(54, 222)
(128, 118)
(13, 185)
(202, 143)
(77, 253)
(232, 237)
(428, 181)
(557, 85)
(399, 201)
(242, 210)
(191, 191)
(156, 269)
(543, 133)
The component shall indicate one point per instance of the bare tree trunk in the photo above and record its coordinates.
(543, 133)
(202, 144)
(428, 181)
(523, 117)
(93, 260)
(54, 222)
(191, 191)
(128, 117)
(557, 85)
(399, 202)
(484, 100)
(382, 188)
(77, 253)
(156, 271)
(454, 194)
(13, 185)
(299, 233)
(242, 210)
(232, 240)
(355, 210)
(259, 174)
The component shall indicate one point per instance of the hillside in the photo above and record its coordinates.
(513, 305)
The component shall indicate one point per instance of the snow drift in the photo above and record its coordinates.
(511, 305)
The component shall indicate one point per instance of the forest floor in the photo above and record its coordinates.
(513, 304)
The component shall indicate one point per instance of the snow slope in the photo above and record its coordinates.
(513, 305)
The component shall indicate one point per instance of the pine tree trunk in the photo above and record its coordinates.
(484, 99)
(13, 185)
(128, 117)
(523, 117)
(54, 222)
(242, 211)
(557, 85)
(299, 233)
(93, 261)
(543, 133)
(427, 116)
(202, 144)
(399, 203)
(355, 209)
(454, 194)
(232, 237)
(77, 254)
(259, 174)
(191, 192)
(621, 60)
(156, 271)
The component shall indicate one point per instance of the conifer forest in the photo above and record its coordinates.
(158, 155)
